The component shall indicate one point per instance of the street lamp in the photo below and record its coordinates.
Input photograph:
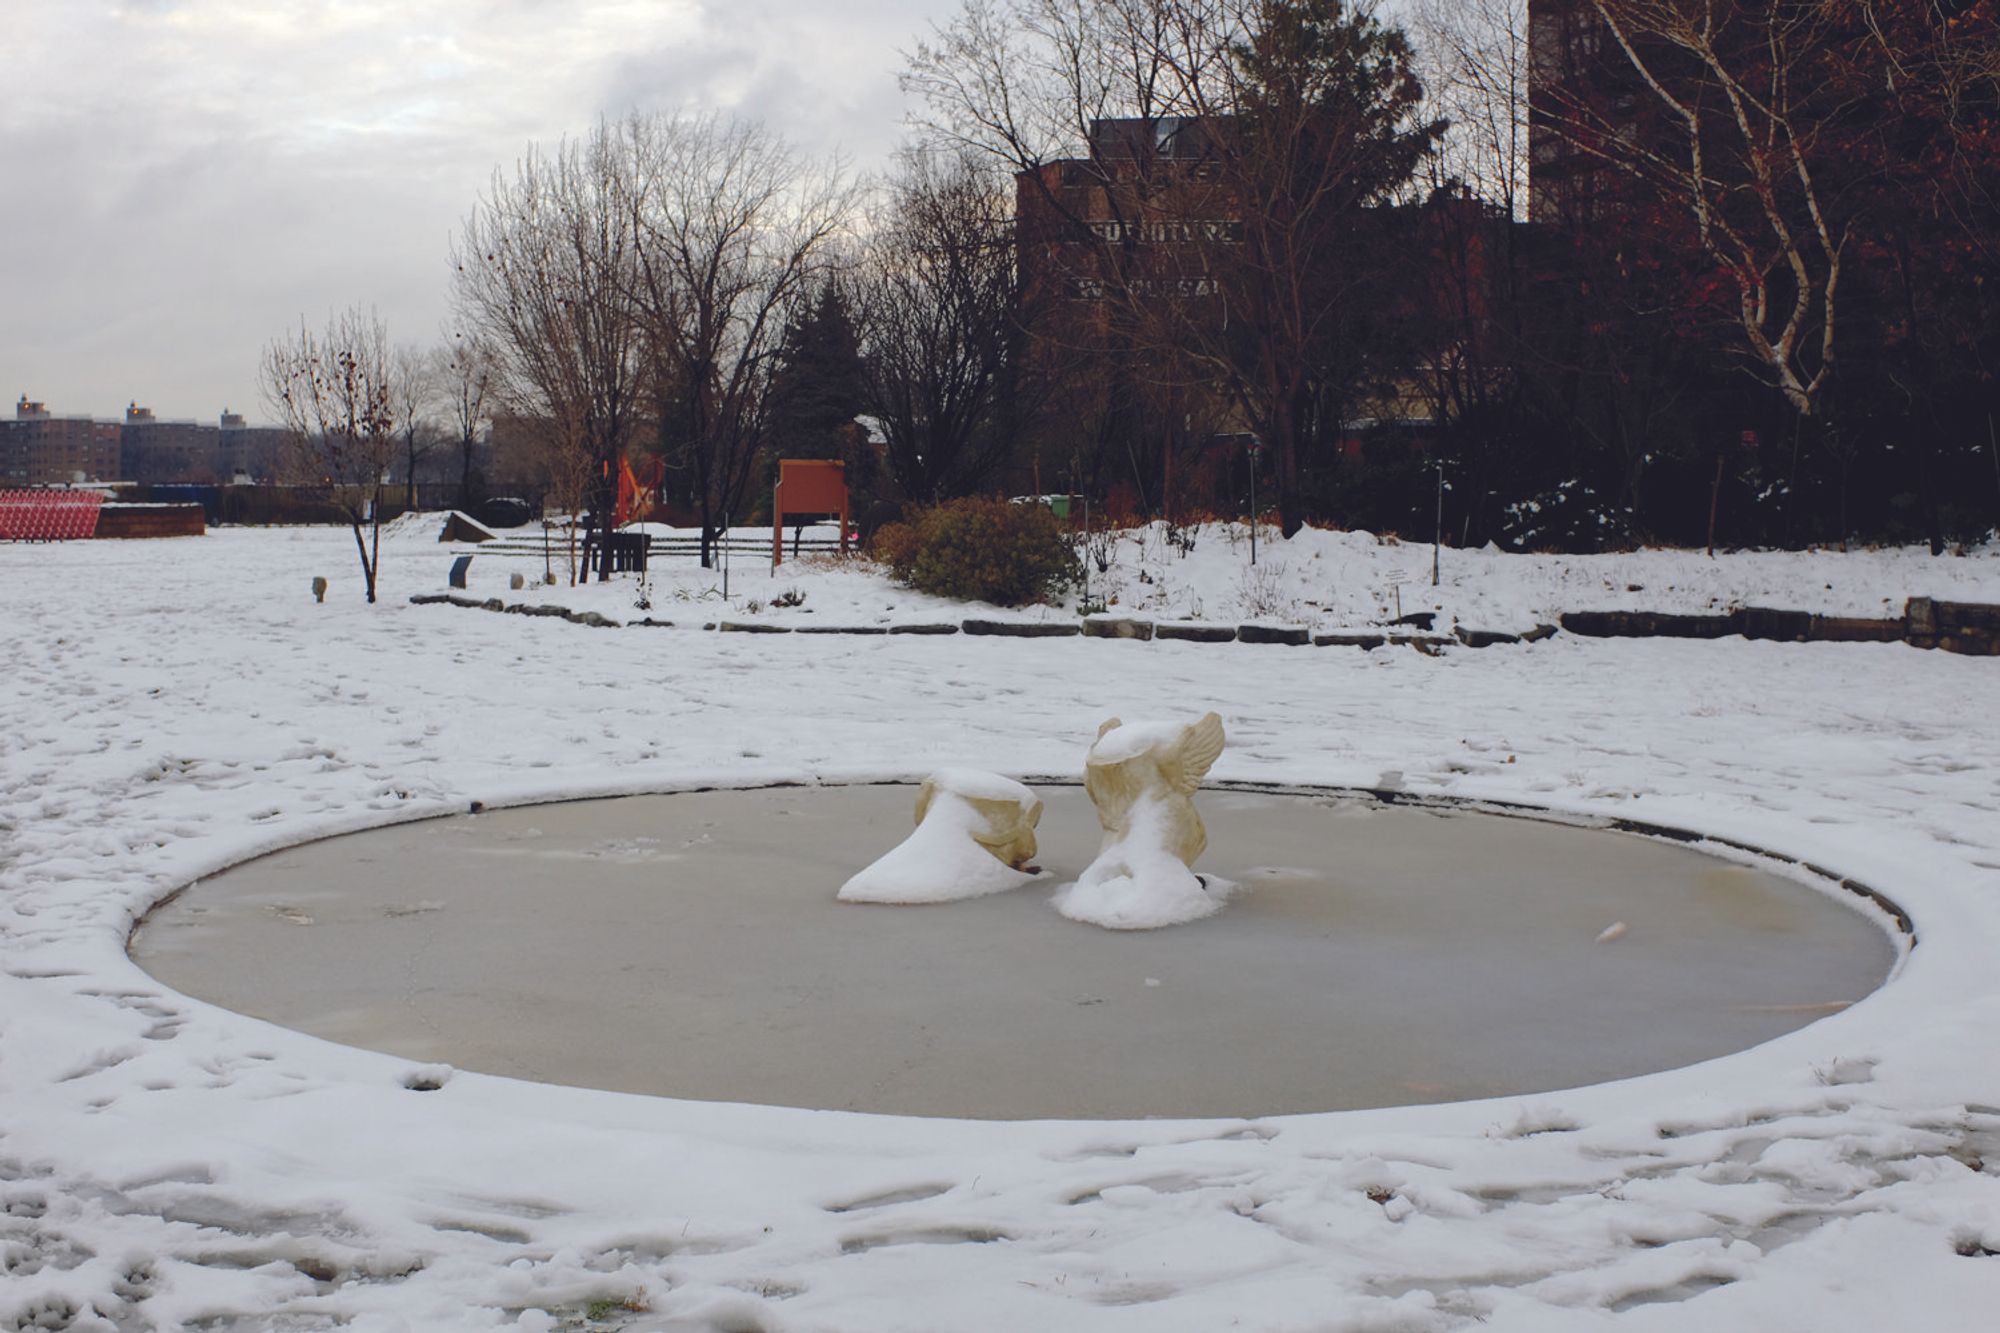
(1251, 449)
(1437, 529)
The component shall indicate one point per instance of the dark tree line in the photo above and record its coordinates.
(1162, 250)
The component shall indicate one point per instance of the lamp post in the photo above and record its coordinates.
(1251, 449)
(1437, 528)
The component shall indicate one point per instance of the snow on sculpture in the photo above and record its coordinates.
(975, 835)
(1142, 777)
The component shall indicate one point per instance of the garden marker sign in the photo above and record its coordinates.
(807, 487)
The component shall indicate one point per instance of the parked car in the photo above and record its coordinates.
(505, 511)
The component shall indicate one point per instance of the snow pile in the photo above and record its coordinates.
(950, 856)
(1136, 883)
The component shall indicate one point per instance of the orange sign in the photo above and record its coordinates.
(807, 486)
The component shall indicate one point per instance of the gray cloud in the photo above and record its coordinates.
(189, 177)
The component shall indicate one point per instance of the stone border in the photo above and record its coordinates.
(1969, 628)
(1957, 627)
(526, 609)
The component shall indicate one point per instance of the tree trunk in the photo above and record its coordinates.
(361, 549)
(1291, 505)
(603, 506)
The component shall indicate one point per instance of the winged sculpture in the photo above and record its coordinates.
(1142, 777)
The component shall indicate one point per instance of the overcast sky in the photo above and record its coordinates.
(181, 179)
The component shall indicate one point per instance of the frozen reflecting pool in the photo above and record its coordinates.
(690, 945)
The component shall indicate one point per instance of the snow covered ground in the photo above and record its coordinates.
(1321, 579)
(176, 706)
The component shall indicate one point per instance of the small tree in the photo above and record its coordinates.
(730, 228)
(468, 375)
(940, 292)
(544, 272)
(334, 391)
(413, 388)
(569, 468)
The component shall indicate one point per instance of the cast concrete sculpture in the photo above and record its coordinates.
(1142, 777)
(975, 835)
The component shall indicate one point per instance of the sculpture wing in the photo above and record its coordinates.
(924, 795)
(1199, 747)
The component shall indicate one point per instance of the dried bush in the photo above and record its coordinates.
(981, 550)
(895, 545)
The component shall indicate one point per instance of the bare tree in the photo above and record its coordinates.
(729, 229)
(568, 472)
(545, 274)
(1474, 59)
(467, 373)
(1230, 230)
(413, 390)
(335, 392)
(939, 294)
(1743, 157)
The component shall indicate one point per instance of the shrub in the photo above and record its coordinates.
(895, 545)
(981, 550)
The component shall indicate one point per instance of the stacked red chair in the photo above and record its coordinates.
(48, 516)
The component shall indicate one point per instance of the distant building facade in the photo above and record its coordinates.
(39, 448)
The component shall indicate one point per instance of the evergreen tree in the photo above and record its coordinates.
(817, 391)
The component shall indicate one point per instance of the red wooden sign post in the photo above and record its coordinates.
(807, 486)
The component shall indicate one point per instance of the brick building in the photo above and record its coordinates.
(38, 448)
(165, 452)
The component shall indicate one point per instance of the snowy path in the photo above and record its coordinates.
(166, 1164)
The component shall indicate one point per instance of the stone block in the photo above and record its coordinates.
(1967, 617)
(1647, 624)
(1196, 633)
(1025, 629)
(1117, 627)
(1296, 636)
(1342, 639)
(1764, 622)
(1854, 629)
